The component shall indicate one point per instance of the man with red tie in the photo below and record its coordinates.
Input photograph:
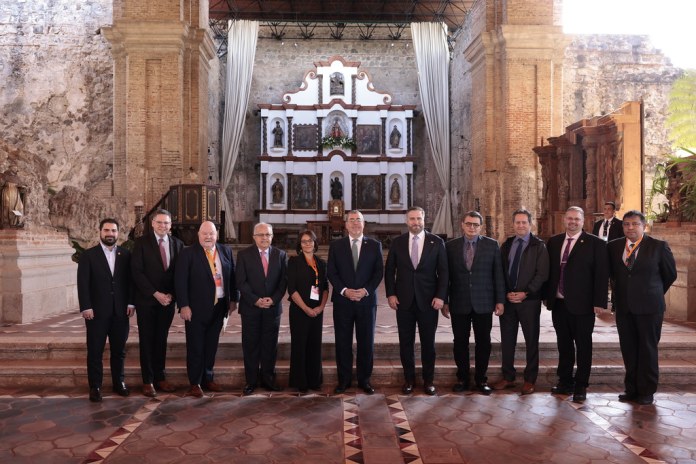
(642, 269)
(262, 280)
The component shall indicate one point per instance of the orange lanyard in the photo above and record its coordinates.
(313, 265)
(629, 251)
(212, 260)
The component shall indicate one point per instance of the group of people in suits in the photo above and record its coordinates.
(468, 279)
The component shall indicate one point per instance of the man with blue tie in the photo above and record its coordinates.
(476, 291)
(354, 269)
(262, 281)
(526, 266)
(416, 280)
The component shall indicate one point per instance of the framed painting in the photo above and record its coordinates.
(303, 192)
(368, 191)
(367, 137)
(305, 137)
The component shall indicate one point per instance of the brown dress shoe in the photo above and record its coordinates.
(149, 390)
(166, 386)
(528, 388)
(195, 391)
(502, 384)
(213, 387)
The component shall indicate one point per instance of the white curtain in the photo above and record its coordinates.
(432, 58)
(241, 48)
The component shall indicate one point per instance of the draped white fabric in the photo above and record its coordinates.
(241, 48)
(432, 58)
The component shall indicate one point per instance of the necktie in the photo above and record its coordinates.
(264, 262)
(605, 228)
(515, 266)
(210, 254)
(163, 253)
(564, 260)
(354, 251)
(414, 252)
(631, 258)
(469, 255)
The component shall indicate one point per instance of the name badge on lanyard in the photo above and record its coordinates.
(314, 293)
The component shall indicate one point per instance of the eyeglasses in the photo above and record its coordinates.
(162, 223)
(632, 224)
(307, 242)
(472, 224)
(354, 220)
(263, 235)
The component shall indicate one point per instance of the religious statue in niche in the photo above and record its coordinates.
(336, 189)
(277, 191)
(336, 131)
(395, 192)
(12, 204)
(336, 86)
(395, 138)
(277, 135)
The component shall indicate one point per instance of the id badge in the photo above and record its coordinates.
(219, 291)
(314, 293)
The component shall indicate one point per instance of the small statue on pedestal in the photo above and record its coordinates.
(11, 204)
(336, 189)
(277, 191)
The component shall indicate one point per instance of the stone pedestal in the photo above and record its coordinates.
(37, 276)
(681, 298)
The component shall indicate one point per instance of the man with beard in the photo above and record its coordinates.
(104, 293)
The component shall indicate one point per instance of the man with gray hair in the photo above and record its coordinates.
(262, 280)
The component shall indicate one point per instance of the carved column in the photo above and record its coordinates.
(264, 129)
(290, 136)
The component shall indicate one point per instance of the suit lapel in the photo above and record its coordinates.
(427, 246)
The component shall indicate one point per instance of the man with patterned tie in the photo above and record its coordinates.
(576, 292)
(610, 227)
(642, 269)
(262, 281)
(476, 291)
(355, 270)
(416, 280)
(152, 267)
(526, 267)
(205, 293)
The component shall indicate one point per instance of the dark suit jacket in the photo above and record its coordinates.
(586, 273)
(429, 280)
(615, 231)
(368, 275)
(194, 282)
(480, 288)
(534, 268)
(98, 290)
(253, 284)
(641, 290)
(148, 272)
(301, 279)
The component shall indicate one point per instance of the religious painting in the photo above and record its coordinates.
(368, 190)
(304, 192)
(305, 137)
(367, 139)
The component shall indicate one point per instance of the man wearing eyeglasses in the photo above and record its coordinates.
(262, 280)
(642, 269)
(152, 267)
(476, 291)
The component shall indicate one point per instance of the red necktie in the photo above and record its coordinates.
(163, 253)
(264, 261)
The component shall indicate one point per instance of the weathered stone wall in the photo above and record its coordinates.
(603, 71)
(55, 103)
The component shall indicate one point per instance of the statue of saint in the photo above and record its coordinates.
(336, 85)
(336, 131)
(277, 191)
(395, 192)
(395, 138)
(277, 135)
(336, 189)
(12, 207)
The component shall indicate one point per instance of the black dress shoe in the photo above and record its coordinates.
(367, 388)
(272, 386)
(460, 387)
(579, 395)
(249, 389)
(644, 399)
(484, 389)
(627, 397)
(340, 389)
(95, 395)
(121, 389)
(429, 389)
(562, 389)
(407, 389)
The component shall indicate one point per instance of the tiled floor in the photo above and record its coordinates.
(41, 427)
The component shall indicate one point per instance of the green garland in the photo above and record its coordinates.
(343, 142)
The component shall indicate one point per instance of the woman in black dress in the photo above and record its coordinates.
(308, 288)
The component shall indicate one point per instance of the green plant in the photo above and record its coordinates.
(687, 167)
(658, 211)
(343, 142)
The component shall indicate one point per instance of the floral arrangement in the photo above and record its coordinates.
(343, 142)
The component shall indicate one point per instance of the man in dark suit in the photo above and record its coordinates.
(476, 291)
(609, 228)
(355, 270)
(152, 267)
(104, 293)
(642, 269)
(526, 268)
(577, 291)
(416, 281)
(205, 293)
(262, 280)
